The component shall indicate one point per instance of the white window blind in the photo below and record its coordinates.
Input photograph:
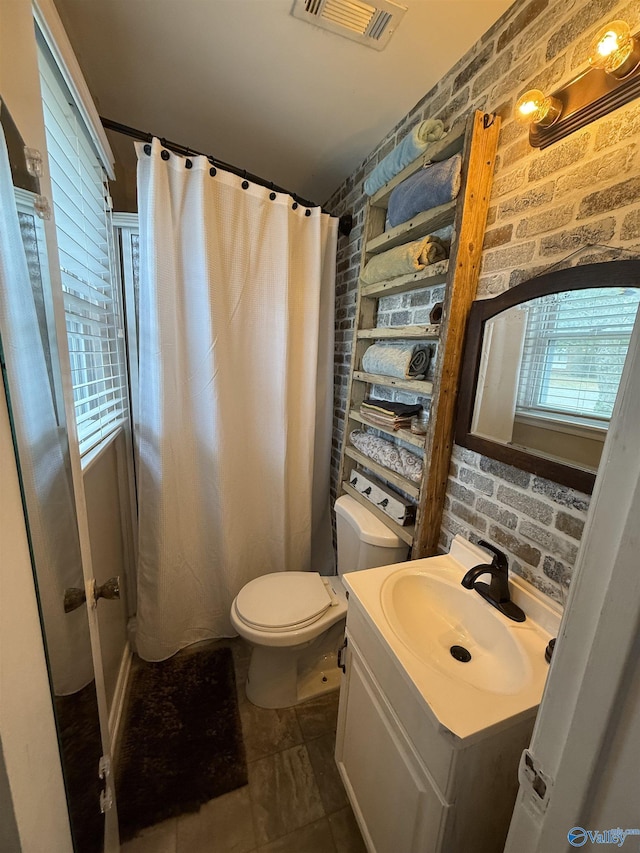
(575, 345)
(91, 298)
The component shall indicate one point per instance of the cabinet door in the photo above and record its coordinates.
(396, 806)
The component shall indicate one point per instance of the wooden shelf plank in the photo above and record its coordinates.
(419, 226)
(403, 434)
(428, 277)
(415, 386)
(400, 482)
(440, 150)
(425, 333)
(405, 533)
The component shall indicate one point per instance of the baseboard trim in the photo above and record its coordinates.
(119, 696)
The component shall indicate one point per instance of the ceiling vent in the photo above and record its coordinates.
(362, 22)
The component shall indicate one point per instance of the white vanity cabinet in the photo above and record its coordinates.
(414, 786)
(398, 807)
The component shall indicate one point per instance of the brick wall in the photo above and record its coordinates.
(545, 205)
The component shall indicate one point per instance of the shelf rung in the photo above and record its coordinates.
(427, 333)
(419, 226)
(405, 533)
(428, 277)
(416, 386)
(397, 480)
(403, 434)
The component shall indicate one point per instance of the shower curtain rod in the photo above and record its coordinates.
(345, 222)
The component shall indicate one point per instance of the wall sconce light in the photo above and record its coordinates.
(534, 106)
(615, 50)
(612, 80)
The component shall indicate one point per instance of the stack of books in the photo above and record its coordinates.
(389, 414)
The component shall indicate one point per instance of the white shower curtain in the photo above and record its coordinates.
(236, 361)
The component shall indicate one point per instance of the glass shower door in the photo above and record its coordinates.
(32, 380)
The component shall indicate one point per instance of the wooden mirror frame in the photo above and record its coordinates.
(617, 274)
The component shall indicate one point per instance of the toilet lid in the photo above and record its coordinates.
(283, 600)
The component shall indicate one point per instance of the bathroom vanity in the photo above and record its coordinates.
(428, 750)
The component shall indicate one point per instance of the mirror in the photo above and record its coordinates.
(32, 382)
(542, 366)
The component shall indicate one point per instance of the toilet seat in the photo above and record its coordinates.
(283, 601)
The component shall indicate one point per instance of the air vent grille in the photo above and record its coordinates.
(365, 23)
(379, 24)
(351, 14)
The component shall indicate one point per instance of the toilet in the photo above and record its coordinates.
(295, 620)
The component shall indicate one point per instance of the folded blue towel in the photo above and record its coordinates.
(413, 145)
(432, 186)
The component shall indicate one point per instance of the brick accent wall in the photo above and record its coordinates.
(545, 205)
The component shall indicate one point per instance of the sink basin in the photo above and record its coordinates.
(431, 613)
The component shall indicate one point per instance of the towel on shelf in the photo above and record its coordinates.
(387, 453)
(404, 361)
(388, 421)
(436, 184)
(388, 414)
(390, 407)
(404, 260)
(413, 145)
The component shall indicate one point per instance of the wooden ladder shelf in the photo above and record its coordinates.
(477, 140)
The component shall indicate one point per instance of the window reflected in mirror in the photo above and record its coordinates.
(550, 372)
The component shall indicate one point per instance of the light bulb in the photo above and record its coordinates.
(614, 49)
(534, 106)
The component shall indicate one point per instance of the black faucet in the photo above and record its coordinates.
(497, 592)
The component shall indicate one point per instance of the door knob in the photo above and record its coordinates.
(74, 597)
(109, 589)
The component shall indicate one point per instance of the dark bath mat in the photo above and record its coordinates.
(182, 741)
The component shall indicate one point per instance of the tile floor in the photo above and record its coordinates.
(295, 801)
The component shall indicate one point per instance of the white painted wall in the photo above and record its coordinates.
(613, 800)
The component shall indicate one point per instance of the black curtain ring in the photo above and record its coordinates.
(147, 148)
(272, 196)
(165, 155)
(245, 185)
(294, 206)
(213, 171)
(188, 164)
(307, 212)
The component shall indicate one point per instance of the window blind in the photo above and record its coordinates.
(575, 344)
(92, 303)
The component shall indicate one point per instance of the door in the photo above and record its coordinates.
(581, 777)
(53, 502)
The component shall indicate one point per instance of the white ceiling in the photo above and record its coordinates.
(246, 82)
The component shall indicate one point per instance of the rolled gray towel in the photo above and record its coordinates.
(419, 362)
(407, 361)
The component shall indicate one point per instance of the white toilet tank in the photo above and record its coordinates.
(363, 540)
